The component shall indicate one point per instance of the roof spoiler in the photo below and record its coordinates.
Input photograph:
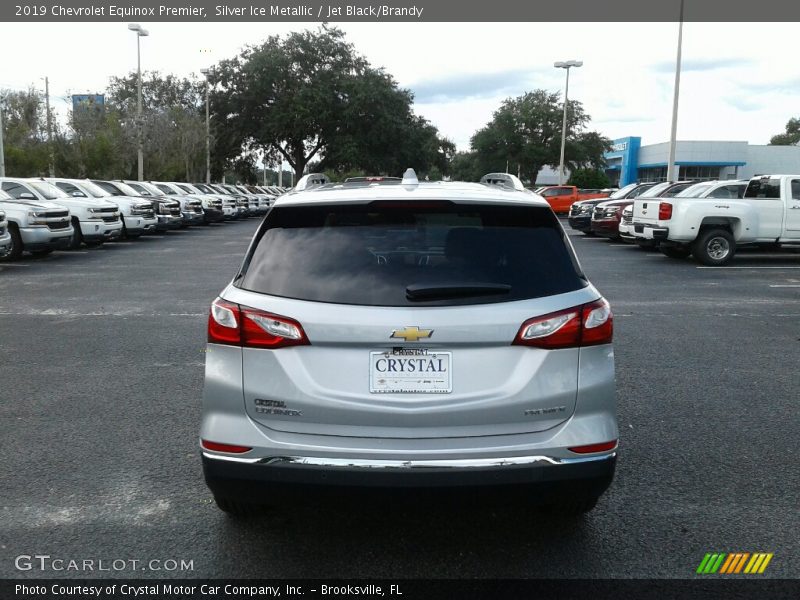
(503, 179)
(311, 180)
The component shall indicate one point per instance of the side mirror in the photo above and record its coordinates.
(27, 196)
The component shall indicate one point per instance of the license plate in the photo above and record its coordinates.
(410, 371)
(648, 233)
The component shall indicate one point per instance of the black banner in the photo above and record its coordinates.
(398, 10)
(402, 589)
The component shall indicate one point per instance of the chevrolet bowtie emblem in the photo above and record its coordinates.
(412, 334)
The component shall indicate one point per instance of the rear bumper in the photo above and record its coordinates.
(290, 478)
(650, 232)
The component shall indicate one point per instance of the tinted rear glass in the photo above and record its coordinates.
(763, 188)
(373, 254)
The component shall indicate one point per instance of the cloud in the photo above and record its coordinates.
(744, 103)
(479, 85)
(702, 64)
(790, 86)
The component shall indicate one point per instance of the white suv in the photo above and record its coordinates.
(409, 335)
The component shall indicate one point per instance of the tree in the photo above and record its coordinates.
(525, 134)
(310, 96)
(173, 115)
(791, 137)
(589, 178)
(24, 133)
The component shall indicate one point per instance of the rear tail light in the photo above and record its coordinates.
(664, 211)
(587, 325)
(231, 448)
(236, 325)
(602, 447)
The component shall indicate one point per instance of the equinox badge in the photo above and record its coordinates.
(412, 334)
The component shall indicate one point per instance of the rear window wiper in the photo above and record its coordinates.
(419, 291)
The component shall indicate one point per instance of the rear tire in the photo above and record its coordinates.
(714, 247)
(41, 253)
(675, 251)
(16, 247)
(238, 509)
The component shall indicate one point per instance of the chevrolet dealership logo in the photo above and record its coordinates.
(734, 563)
(412, 334)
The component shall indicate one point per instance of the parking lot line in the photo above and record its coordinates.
(785, 285)
(14, 265)
(787, 267)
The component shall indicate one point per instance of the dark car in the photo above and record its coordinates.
(580, 214)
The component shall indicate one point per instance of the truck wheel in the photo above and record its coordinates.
(676, 251)
(77, 236)
(714, 247)
(15, 249)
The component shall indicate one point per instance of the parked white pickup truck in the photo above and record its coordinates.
(710, 229)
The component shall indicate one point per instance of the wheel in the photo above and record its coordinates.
(675, 251)
(714, 247)
(645, 244)
(236, 508)
(94, 244)
(40, 253)
(15, 249)
(77, 235)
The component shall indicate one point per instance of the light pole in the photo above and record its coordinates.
(140, 33)
(51, 159)
(208, 132)
(2, 154)
(565, 65)
(674, 133)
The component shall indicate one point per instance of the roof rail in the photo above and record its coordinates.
(503, 179)
(311, 180)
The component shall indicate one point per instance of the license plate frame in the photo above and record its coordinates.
(431, 380)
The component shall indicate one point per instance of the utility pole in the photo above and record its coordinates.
(566, 66)
(2, 154)
(280, 174)
(140, 33)
(49, 128)
(674, 133)
(208, 132)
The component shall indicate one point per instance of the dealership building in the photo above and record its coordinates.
(629, 161)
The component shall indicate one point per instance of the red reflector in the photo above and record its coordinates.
(603, 447)
(230, 448)
(664, 211)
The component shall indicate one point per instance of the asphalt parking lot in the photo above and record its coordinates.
(101, 372)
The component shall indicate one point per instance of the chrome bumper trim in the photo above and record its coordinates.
(362, 463)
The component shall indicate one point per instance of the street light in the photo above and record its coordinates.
(205, 72)
(140, 33)
(673, 138)
(565, 65)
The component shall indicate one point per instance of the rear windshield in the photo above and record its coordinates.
(428, 254)
(765, 187)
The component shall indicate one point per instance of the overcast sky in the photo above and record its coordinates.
(741, 81)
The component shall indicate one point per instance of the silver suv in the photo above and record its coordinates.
(409, 335)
